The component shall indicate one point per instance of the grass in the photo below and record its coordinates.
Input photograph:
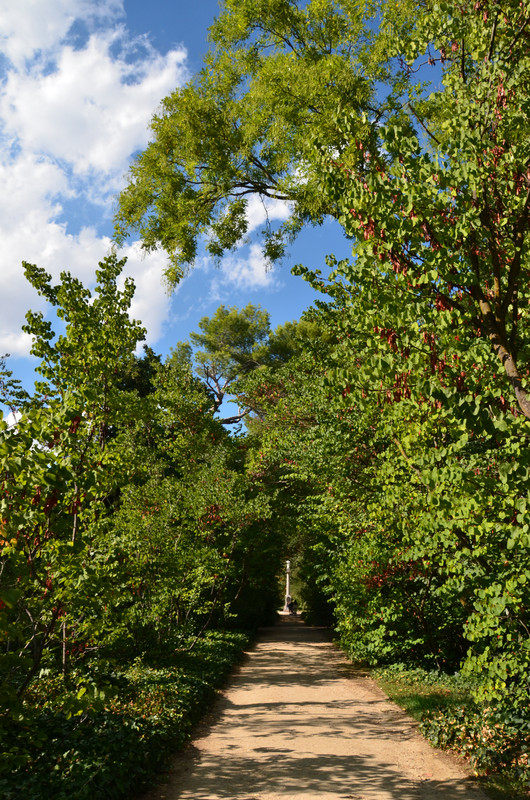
(495, 742)
(419, 691)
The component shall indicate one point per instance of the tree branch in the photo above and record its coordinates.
(425, 128)
(500, 347)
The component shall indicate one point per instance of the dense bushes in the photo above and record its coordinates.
(493, 739)
(110, 741)
(129, 530)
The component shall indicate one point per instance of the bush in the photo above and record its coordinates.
(493, 739)
(61, 745)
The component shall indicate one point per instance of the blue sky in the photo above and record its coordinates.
(80, 80)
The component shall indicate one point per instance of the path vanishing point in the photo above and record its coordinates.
(298, 722)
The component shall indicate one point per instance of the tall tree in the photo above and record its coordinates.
(60, 468)
(231, 343)
(274, 77)
(432, 187)
(437, 199)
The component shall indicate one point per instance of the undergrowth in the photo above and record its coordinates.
(494, 740)
(107, 739)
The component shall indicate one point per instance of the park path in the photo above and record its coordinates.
(298, 722)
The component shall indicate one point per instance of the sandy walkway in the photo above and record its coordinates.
(299, 723)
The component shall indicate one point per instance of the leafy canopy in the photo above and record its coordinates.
(275, 75)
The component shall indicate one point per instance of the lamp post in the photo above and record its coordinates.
(287, 586)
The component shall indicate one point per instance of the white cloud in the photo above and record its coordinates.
(259, 210)
(71, 116)
(30, 27)
(30, 186)
(92, 111)
(242, 272)
(247, 269)
(15, 344)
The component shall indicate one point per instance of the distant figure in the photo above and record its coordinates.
(292, 606)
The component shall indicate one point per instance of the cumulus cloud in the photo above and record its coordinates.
(32, 27)
(86, 107)
(251, 272)
(259, 210)
(92, 110)
(30, 190)
(246, 270)
(73, 109)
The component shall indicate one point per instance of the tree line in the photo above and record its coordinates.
(407, 123)
(385, 439)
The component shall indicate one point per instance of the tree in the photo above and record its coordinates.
(354, 510)
(191, 530)
(437, 199)
(273, 79)
(232, 343)
(60, 470)
(139, 375)
(431, 558)
(416, 138)
(434, 186)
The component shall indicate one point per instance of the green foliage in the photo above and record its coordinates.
(436, 198)
(386, 445)
(120, 743)
(230, 338)
(402, 437)
(60, 468)
(274, 76)
(12, 394)
(494, 740)
(128, 527)
(232, 342)
(430, 316)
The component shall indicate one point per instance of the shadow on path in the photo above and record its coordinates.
(299, 722)
(280, 773)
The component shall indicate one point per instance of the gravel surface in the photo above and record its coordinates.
(298, 722)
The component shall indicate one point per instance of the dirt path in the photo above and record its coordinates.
(298, 722)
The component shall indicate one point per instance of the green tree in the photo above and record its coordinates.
(274, 77)
(434, 186)
(231, 343)
(60, 470)
(437, 198)
(440, 464)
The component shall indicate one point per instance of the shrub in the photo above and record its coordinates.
(60, 744)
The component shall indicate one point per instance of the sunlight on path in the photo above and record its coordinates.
(298, 722)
